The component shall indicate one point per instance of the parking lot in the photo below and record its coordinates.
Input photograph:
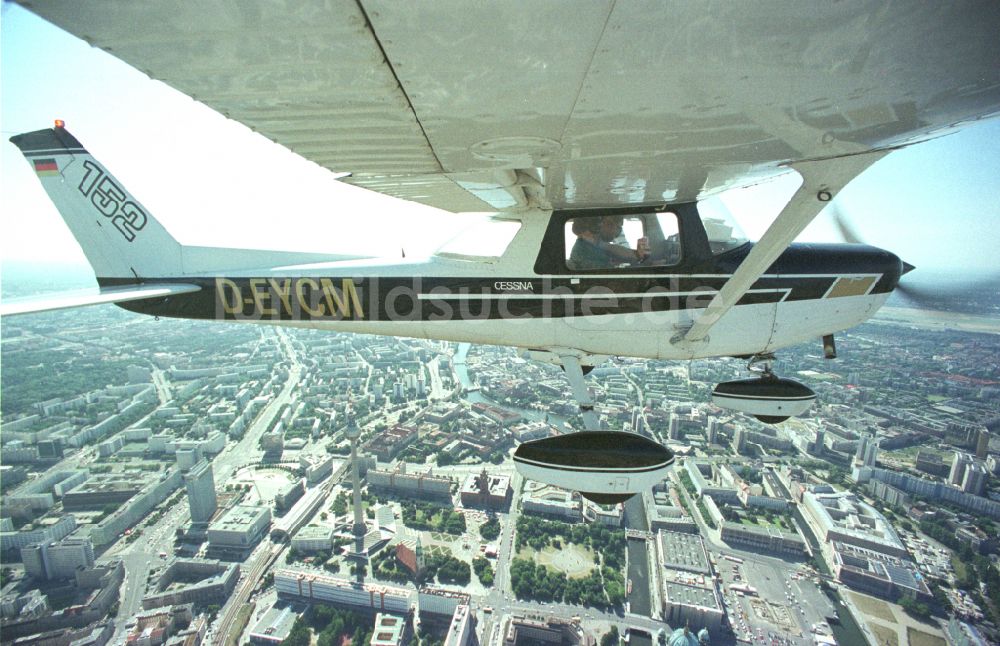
(770, 602)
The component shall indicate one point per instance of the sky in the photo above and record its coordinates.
(211, 181)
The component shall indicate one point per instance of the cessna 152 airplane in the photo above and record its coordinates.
(598, 132)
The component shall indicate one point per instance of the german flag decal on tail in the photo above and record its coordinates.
(46, 167)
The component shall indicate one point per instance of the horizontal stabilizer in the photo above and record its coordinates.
(65, 300)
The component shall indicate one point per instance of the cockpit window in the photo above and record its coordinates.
(617, 242)
(485, 239)
(723, 232)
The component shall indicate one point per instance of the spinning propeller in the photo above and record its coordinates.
(925, 296)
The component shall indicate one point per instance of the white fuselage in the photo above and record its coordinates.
(746, 329)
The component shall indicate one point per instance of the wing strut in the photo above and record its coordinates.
(821, 180)
(574, 373)
(574, 363)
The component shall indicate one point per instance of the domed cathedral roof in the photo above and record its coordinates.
(682, 637)
(703, 636)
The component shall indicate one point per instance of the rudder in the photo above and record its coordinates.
(117, 234)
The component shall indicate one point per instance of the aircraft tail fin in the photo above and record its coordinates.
(117, 234)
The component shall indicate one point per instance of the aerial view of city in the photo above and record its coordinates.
(184, 482)
(609, 323)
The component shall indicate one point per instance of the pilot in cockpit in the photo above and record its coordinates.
(601, 243)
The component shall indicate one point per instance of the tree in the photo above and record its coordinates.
(610, 638)
(915, 608)
(300, 634)
(490, 529)
(484, 570)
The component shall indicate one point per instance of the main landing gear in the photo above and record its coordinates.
(767, 397)
(607, 467)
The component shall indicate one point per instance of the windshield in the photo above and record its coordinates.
(484, 239)
(720, 226)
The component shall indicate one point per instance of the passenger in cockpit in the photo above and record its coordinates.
(597, 244)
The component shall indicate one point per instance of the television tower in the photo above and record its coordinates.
(353, 434)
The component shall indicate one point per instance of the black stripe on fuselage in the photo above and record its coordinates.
(609, 470)
(445, 299)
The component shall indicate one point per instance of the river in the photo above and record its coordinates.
(638, 563)
(476, 397)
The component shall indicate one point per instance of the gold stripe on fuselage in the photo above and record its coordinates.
(847, 286)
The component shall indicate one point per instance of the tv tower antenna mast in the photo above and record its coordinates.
(359, 556)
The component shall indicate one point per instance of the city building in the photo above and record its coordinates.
(844, 518)
(711, 480)
(496, 414)
(289, 494)
(154, 491)
(671, 518)
(551, 630)
(527, 431)
(90, 596)
(313, 538)
(552, 502)
(440, 602)
(309, 586)
(239, 530)
(315, 468)
(200, 484)
(276, 624)
(867, 452)
(931, 463)
(959, 463)
(690, 596)
(974, 479)
(156, 627)
(389, 444)
(57, 560)
(982, 444)
(486, 491)
(389, 630)
(460, 631)
(414, 485)
(769, 540)
(102, 490)
(193, 581)
(610, 515)
(674, 427)
(931, 489)
(36, 533)
(410, 554)
(818, 446)
(273, 444)
(889, 494)
(877, 573)
(187, 457)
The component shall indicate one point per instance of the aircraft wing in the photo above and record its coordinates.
(66, 300)
(564, 104)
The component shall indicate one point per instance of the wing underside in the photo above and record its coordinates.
(563, 104)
